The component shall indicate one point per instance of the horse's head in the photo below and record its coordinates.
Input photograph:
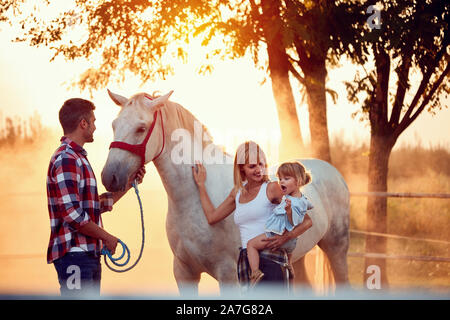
(138, 138)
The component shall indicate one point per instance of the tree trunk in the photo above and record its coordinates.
(381, 143)
(375, 270)
(315, 78)
(291, 145)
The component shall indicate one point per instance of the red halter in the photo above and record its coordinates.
(139, 149)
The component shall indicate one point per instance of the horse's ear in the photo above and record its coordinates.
(118, 99)
(159, 102)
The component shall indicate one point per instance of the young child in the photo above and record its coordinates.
(288, 214)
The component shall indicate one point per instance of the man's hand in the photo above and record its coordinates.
(139, 177)
(93, 230)
(111, 243)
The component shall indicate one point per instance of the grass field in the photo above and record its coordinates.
(411, 169)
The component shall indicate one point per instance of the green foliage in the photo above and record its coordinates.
(413, 38)
(140, 36)
(133, 35)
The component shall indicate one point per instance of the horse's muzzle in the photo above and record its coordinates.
(114, 178)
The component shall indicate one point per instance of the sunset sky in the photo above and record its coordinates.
(230, 100)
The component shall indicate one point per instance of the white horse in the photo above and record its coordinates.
(197, 246)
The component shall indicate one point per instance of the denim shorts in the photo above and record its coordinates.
(289, 246)
(79, 274)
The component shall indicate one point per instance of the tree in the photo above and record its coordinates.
(322, 31)
(268, 18)
(140, 36)
(305, 38)
(18, 131)
(413, 39)
(7, 6)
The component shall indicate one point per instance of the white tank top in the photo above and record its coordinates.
(251, 217)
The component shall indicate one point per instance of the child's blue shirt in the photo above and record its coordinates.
(278, 220)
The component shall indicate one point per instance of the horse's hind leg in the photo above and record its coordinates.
(336, 247)
(301, 280)
(186, 278)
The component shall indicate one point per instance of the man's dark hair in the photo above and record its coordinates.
(73, 111)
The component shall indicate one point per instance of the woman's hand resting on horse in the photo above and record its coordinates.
(199, 173)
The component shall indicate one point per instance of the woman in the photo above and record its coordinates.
(253, 199)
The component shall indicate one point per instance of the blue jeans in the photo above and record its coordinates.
(79, 274)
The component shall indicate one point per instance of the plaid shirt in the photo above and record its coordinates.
(278, 256)
(73, 200)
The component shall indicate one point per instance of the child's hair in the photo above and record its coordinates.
(297, 170)
(248, 152)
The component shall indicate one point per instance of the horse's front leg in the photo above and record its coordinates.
(226, 275)
(186, 278)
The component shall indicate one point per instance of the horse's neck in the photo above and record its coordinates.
(178, 180)
(173, 176)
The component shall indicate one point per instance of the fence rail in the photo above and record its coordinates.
(393, 236)
(23, 256)
(350, 254)
(401, 195)
(399, 257)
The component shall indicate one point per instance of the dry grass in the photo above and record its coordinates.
(411, 169)
(25, 231)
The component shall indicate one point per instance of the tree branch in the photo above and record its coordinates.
(295, 72)
(407, 121)
(300, 49)
(378, 110)
(403, 85)
(424, 83)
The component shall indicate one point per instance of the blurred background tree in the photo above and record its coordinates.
(412, 42)
(16, 131)
(288, 39)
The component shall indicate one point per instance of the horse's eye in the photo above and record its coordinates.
(140, 130)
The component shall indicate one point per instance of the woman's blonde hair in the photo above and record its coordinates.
(248, 152)
(297, 170)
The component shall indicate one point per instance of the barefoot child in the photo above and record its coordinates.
(288, 214)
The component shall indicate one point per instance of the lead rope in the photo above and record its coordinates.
(125, 249)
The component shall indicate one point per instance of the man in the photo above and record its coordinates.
(74, 206)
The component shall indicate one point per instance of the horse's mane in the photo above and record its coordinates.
(176, 116)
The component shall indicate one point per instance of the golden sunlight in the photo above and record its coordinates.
(230, 101)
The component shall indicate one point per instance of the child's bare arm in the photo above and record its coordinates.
(288, 209)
